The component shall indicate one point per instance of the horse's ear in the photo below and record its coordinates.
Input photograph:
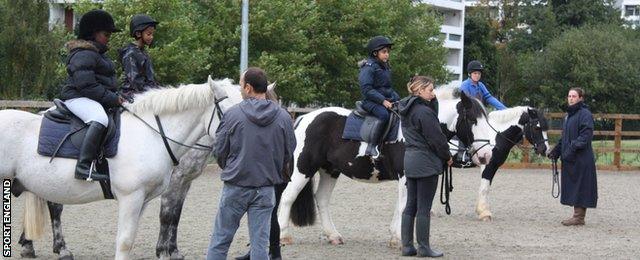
(271, 86)
(532, 113)
(466, 101)
(218, 92)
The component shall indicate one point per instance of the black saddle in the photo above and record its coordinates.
(359, 111)
(63, 115)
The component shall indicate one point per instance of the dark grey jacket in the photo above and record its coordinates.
(426, 148)
(138, 71)
(253, 142)
(91, 73)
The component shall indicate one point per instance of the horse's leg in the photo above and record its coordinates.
(323, 197)
(298, 181)
(482, 207)
(397, 214)
(129, 211)
(59, 246)
(27, 247)
(191, 166)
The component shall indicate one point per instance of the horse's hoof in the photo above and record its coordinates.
(286, 240)
(395, 243)
(28, 254)
(336, 241)
(486, 218)
(176, 255)
(65, 255)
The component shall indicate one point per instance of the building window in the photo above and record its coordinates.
(455, 37)
(454, 76)
(631, 10)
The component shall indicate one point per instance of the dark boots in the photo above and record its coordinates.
(423, 225)
(577, 219)
(406, 235)
(274, 253)
(88, 153)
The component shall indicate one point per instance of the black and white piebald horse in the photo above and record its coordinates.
(321, 149)
(510, 126)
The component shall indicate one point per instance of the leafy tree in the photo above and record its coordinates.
(28, 50)
(602, 59)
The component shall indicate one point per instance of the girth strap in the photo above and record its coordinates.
(166, 142)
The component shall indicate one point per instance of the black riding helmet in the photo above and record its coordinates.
(140, 22)
(95, 21)
(474, 65)
(378, 43)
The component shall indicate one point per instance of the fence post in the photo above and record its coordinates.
(617, 143)
(525, 153)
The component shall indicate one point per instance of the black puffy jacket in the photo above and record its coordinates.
(91, 74)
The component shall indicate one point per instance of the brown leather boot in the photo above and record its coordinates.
(577, 219)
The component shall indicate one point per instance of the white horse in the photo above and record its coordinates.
(507, 129)
(139, 172)
(321, 149)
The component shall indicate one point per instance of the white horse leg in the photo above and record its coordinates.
(129, 211)
(482, 207)
(397, 214)
(323, 197)
(298, 181)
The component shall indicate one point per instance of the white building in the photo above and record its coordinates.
(452, 30)
(630, 11)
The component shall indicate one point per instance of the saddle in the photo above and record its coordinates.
(362, 126)
(62, 133)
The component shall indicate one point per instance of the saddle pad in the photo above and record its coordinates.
(52, 133)
(354, 123)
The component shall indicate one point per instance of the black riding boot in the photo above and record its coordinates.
(423, 226)
(406, 235)
(88, 153)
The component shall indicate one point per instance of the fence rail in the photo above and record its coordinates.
(617, 150)
(525, 162)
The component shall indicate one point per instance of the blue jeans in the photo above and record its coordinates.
(258, 203)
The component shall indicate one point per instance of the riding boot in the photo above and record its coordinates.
(577, 219)
(423, 225)
(89, 153)
(406, 235)
(375, 139)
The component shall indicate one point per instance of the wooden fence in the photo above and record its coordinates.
(617, 150)
(525, 162)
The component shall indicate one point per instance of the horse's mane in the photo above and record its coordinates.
(507, 115)
(477, 110)
(446, 92)
(169, 100)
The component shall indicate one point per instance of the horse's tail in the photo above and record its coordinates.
(34, 216)
(303, 210)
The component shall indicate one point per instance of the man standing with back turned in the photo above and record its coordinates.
(253, 142)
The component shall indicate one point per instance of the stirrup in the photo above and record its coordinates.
(376, 153)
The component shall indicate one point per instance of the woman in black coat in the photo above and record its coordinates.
(579, 183)
(426, 151)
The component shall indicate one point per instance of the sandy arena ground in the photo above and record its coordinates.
(526, 222)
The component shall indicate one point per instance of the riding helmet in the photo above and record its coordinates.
(377, 43)
(140, 22)
(94, 21)
(474, 65)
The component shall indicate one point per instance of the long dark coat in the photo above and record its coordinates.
(579, 183)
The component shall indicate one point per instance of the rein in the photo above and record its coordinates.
(555, 179)
(446, 187)
(165, 139)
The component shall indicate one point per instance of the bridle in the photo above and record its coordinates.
(165, 139)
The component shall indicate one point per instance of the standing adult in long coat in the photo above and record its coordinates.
(579, 183)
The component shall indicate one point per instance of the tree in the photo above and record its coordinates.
(28, 50)
(602, 59)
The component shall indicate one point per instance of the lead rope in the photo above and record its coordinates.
(446, 187)
(556, 179)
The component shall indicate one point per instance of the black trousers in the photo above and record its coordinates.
(420, 193)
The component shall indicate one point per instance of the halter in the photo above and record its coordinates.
(531, 126)
(165, 139)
